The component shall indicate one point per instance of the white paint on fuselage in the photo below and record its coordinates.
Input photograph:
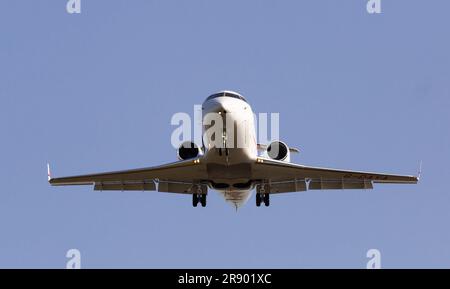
(234, 167)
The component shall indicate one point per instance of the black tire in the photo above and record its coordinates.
(258, 199)
(194, 200)
(203, 200)
(267, 200)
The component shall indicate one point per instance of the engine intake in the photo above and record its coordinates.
(279, 151)
(188, 150)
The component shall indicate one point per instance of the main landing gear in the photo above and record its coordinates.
(199, 198)
(262, 195)
(199, 195)
(262, 198)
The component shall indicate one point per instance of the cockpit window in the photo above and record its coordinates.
(227, 94)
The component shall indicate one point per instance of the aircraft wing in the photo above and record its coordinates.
(288, 177)
(176, 177)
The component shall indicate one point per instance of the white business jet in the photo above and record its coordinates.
(232, 163)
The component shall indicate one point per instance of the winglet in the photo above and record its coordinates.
(420, 171)
(49, 176)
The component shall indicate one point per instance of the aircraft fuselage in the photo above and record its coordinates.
(229, 163)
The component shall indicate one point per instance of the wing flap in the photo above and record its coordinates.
(128, 186)
(174, 187)
(320, 184)
(285, 187)
(282, 171)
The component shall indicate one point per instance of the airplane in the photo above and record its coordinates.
(232, 170)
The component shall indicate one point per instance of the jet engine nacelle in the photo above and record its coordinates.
(278, 150)
(188, 150)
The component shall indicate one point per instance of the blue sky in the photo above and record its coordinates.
(96, 91)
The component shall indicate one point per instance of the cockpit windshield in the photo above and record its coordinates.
(226, 94)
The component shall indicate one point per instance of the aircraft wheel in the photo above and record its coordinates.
(194, 200)
(258, 199)
(203, 200)
(267, 200)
